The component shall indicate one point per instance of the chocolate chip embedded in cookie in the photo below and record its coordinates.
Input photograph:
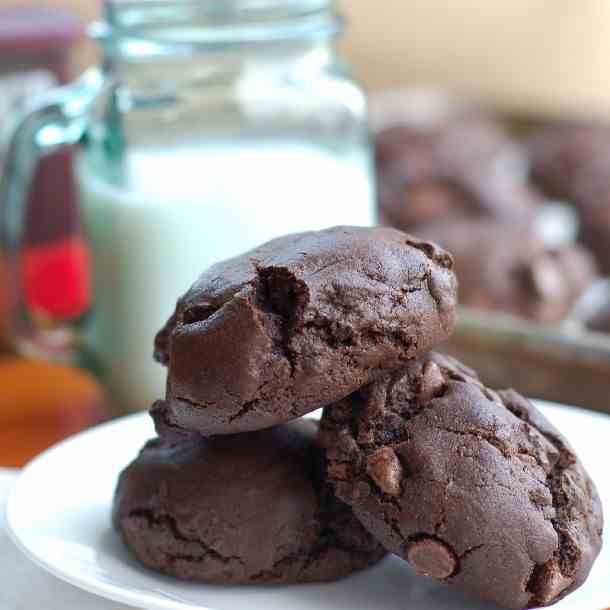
(253, 508)
(385, 470)
(431, 557)
(470, 486)
(298, 323)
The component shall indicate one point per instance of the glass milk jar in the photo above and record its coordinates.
(211, 127)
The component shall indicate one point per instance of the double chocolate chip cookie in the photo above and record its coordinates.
(572, 163)
(562, 156)
(253, 508)
(414, 455)
(298, 323)
(510, 268)
(466, 167)
(470, 486)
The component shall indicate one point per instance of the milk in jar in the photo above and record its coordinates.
(208, 128)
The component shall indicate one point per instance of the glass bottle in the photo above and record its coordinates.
(210, 128)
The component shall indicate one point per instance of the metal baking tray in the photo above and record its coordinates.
(565, 364)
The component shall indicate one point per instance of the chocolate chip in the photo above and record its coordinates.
(431, 557)
(385, 469)
(550, 583)
(432, 382)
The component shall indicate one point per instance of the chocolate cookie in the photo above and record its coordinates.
(472, 487)
(593, 205)
(468, 138)
(461, 168)
(559, 156)
(253, 508)
(573, 164)
(298, 323)
(510, 269)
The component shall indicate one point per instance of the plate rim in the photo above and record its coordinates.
(86, 583)
(117, 593)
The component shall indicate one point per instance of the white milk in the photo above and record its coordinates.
(181, 213)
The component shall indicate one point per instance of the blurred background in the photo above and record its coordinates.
(542, 58)
(482, 126)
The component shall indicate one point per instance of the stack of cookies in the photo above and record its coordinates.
(413, 456)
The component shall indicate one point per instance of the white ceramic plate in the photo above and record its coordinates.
(59, 515)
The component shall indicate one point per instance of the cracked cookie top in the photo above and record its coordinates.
(250, 508)
(471, 486)
(298, 323)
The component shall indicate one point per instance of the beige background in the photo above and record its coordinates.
(541, 56)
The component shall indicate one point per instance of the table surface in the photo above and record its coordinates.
(25, 586)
